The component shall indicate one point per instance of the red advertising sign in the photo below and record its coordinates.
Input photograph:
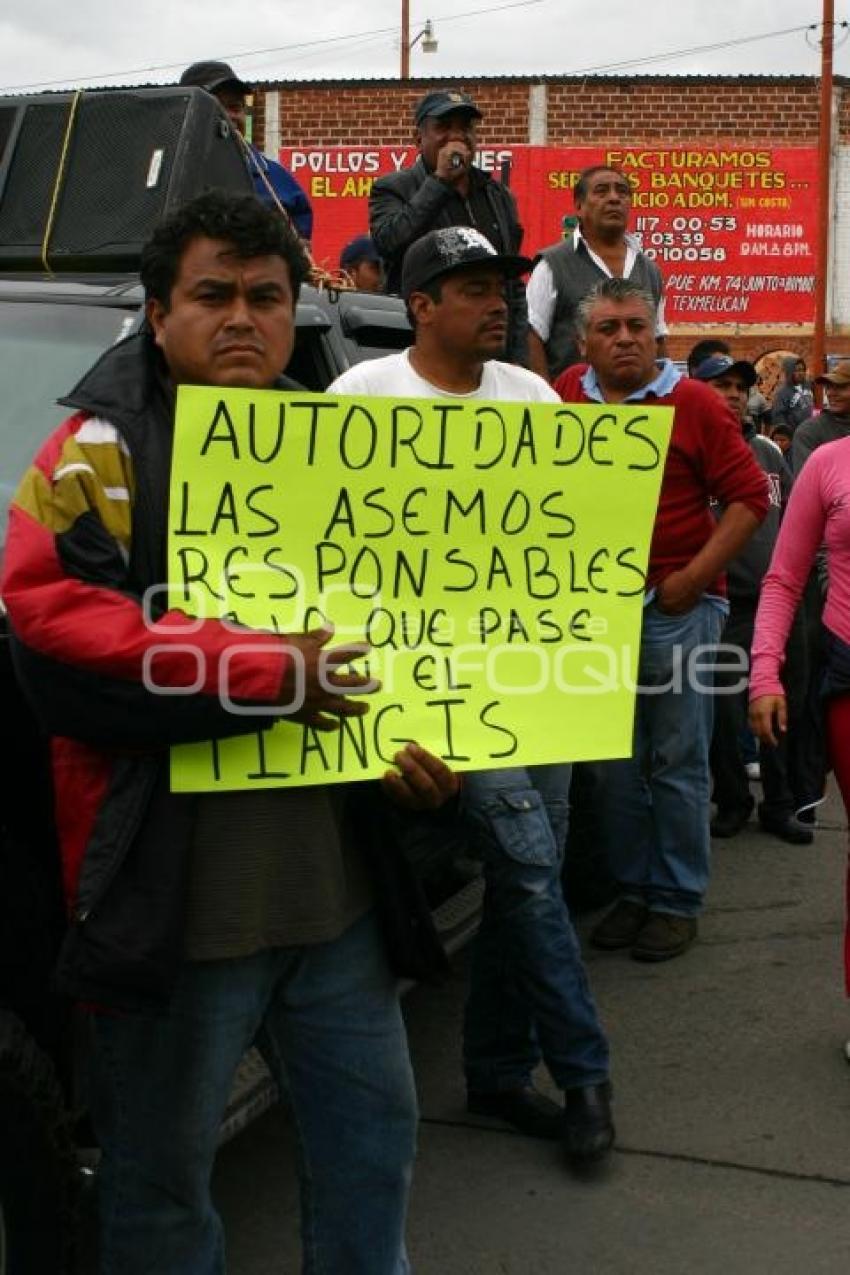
(733, 228)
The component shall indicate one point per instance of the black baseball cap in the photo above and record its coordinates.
(444, 102)
(441, 252)
(212, 76)
(720, 364)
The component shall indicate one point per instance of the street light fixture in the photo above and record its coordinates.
(426, 35)
(429, 40)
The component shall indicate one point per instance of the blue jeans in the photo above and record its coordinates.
(654, 807)
(327, 1019)
(528, 996)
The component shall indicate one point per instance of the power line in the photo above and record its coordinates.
(352, 50)
(367, 37)
(697, 48)
(659, 57)
(676, 53)
(251, 53)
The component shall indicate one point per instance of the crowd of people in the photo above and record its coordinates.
(204, 923)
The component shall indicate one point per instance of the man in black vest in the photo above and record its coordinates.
(566, 272)
(445, 188)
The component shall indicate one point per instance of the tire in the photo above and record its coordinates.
(36, 1159)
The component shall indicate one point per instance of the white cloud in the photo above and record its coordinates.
(44, 41)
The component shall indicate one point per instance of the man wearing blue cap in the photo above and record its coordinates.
(273, 183)
(361, 261)
(445, 188)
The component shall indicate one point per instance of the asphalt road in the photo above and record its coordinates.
(732, 1103)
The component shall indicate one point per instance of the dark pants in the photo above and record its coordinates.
(837, 714)
(809, 757)
(528, 995)
(781, 784)
(328, 1021)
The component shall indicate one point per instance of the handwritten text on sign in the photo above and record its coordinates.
(493, 554)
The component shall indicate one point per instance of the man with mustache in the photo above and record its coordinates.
(654, 806)
(201, 924)
(445, 187)
(600, 247)
(528, 996)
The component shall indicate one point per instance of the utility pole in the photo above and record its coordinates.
(405, 39)
(425, 34)
(824, 173)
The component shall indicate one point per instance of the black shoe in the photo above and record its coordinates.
(787, 828)
(664, 936)
(526, 1109)
(588, 1124)
(727, 823)
(619, 927)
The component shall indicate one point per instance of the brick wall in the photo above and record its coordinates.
(690, 111)
(580, 110)
(844, 112)
(583, 111)
(382, 114)
(754, 346)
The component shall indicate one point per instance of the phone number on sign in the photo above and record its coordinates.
(683, 238)
(648, 224)
(685, 254)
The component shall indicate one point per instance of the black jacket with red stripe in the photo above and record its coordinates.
(87, 539)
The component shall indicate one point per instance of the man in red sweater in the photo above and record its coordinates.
(655, 805)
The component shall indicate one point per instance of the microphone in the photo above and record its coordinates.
(456, 161)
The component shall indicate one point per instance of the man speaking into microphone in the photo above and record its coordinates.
(444, 187)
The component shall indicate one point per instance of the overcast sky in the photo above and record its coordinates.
(53, 43)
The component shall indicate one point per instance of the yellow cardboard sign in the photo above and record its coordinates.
(493, 554)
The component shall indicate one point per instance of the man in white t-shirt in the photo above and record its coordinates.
(528, 997)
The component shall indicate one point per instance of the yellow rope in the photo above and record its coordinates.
(255, 167)
(57, 185)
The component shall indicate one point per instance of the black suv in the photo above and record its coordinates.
(51, 330)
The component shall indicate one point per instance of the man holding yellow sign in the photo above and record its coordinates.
(201, 924)
(449, 507)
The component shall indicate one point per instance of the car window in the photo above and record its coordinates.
(313, 364)
(45, 347)
(371, 330)
(44, 350)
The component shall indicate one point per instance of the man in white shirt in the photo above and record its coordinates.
(528, 999)
(566, 272)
